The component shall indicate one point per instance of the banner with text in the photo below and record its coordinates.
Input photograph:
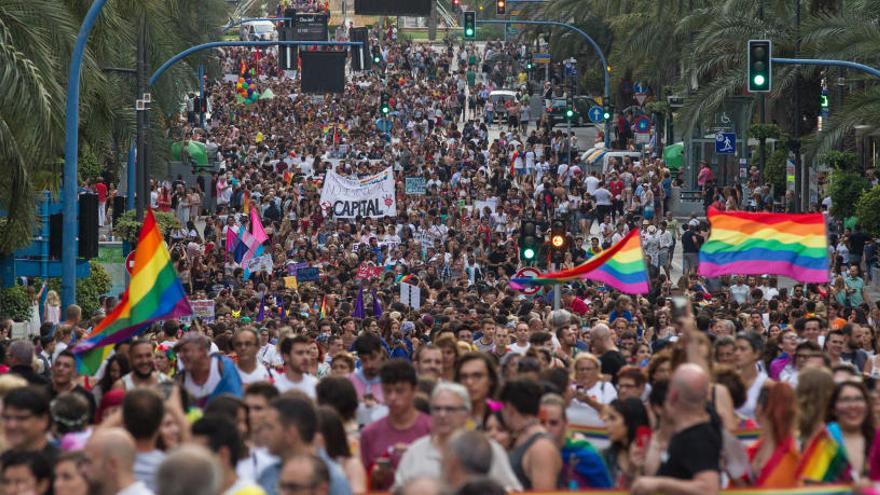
(369, 197)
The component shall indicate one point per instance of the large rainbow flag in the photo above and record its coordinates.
(791, 244)
(622, 266)
(824, 460)
(154, 293)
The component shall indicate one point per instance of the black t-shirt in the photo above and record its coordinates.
(689, 242)
(692, 451)
(612, 361)
(857, 242)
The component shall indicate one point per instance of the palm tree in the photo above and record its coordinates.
(36, 39)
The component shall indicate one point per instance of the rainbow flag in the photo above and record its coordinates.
(622, 266)
(154, 293)
(781, 469)
(323, 312)
(824, 460)
(791, 244)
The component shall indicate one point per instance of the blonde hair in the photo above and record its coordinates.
(585, 356)
(52, 298)
(8, 383)
(814, 389)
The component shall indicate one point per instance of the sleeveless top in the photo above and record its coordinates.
(518, 454)
(128, 381)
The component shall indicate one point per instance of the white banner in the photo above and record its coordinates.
(260, 263)
(369, 197)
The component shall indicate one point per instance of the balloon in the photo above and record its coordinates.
(244, 85)
(237, 85)
(240, 79)
(250, 91)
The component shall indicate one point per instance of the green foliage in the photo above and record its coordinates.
(128, 228)
(88, 289)
(845, 190)
(868, 211)
(774, 169)
(89, 166)
(15, 303)
(764, 131)
(840, 160)
(657, 106)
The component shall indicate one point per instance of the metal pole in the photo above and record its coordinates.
(824, 61)
(130, 177)
(71, 151)
(142, 194)
(202, 102)
(557, 289)
(800, 169)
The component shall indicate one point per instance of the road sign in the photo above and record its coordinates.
(639, 88)
(641, 97)
(528, 272)
(725, 143)
(597, 115)
(643, 124)
(541, 58)
(129, 262)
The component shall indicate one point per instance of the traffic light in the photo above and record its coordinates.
(470, 25)
(385, 106)
(455, 3)
(558, 240)
(760, 67)
(529, 65)
(608, 112)
(569, 110)
(377, 55)
(500, 6)
(528, 240)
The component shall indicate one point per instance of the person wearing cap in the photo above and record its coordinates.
(206, 375)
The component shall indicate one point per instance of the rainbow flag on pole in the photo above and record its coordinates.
(154, 293)
(824, 460)
(622, 266)
(791, 244)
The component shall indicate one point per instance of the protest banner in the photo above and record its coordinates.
(411, 295)
(415, 186)
(293, 267)
(369, 197)
(366, 271)
(290, 283)
(307, 275)
(260, 263)
(203, 309)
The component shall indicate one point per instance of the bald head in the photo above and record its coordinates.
(115, 443)
(689, 387)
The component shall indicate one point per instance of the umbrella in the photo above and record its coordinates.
(197, 151)
(673, 155)
(594, 156)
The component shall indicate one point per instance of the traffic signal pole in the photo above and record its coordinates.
(607, 93)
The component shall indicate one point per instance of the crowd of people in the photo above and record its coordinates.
(338, 385)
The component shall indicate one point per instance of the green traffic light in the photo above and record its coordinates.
(759, 80)
(528, 253)
(468, 32)
(606, 115)
(569, 113)
(385, 109)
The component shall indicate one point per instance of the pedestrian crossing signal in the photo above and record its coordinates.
(470, 25)
(500, 6)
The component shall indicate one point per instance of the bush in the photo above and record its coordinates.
(764, 131)
(868, 211)
(774, 169)
(128, 228)
(845, 189)
(840, 160)
(15, 303)
(88, 289)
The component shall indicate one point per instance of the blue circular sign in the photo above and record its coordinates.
(596, 115)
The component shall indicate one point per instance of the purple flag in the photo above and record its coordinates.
(377, 305)
(262, 314)
(359, 305)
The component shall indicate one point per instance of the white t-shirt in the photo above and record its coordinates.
(260, 374)
(516, 348)
(581, 414)
(592, 184)
(306, 385)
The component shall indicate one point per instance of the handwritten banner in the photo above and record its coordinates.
(366, 271)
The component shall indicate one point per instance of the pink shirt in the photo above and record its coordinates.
(379, 438)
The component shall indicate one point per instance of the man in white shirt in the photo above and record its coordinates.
(268, 353)
(249, 369)
(295, 350)
(522, 339)
(592, 182)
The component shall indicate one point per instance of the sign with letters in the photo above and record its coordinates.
(307, 275)
(372, 196)
(260, 263)
(415, 185)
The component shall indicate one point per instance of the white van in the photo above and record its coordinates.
(258, 31)
(600, 159)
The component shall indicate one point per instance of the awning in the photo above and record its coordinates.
(197, 152)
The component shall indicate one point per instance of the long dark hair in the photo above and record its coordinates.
(331, 428)
(634, 415)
